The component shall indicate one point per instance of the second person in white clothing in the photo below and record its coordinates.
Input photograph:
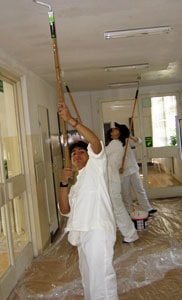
(114, 151)
(130, 178)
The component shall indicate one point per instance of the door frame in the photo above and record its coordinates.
(154, 193)
(10, 188)
(157, 152)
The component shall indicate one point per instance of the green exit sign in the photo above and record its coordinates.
(148, 141)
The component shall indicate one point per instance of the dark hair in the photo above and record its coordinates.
(124, 132)
(108, 135)
(78, 144)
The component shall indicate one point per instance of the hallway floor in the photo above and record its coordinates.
(150, 268)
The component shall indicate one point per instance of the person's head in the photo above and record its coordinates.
(79, 155)
(113, 134)
(124, 132)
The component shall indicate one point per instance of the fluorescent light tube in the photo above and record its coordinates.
(136, 32)
(122, 84)
(126, 67)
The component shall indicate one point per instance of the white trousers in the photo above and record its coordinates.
(134, 181)
(96, 265)
(123, 220)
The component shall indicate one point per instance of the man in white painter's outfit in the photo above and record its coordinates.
(91, 222)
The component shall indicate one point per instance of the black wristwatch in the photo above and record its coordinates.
(63, 185)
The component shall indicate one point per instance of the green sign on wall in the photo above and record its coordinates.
(148, 141)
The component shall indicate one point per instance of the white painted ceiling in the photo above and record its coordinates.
(83, 51)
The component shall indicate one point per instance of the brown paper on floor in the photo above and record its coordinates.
(150, 268)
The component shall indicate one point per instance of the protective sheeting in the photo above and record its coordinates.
(150, 268)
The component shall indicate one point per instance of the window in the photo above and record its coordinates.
(164, 111)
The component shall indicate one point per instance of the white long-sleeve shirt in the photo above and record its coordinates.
(114, 151)
(130, 164)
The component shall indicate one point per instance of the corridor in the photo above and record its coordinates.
(150, 268)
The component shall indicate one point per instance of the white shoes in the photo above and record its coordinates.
(132, 239)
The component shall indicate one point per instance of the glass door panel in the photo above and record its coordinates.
(18, 224)
(161, 173)
(9, 132)
(161, 152)
(14, 233)
(4, 254)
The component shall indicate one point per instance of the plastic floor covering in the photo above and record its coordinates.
(150, 268)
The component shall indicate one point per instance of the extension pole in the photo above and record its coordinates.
(72, 101)
(66, 158)
(130, 127)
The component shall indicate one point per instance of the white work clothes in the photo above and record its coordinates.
(123, 220)
(114, 153)
(90, 204)
(130, 163)
(92, 228)
(98, 275)
(131, 179)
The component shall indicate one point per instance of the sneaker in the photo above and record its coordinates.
(152, 211)
(124, 242)
(135, 238)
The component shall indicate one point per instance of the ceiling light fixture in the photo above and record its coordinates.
(126, 67)
(136, 32)
(122, 84)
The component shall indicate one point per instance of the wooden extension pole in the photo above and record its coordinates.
(67, 162)
(72, 101)
(130, 127)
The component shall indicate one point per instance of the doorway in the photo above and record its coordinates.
(16, 249)
(160, 164)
